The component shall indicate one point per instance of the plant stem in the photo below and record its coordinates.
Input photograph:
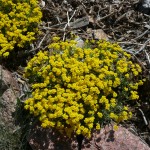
(80, 138)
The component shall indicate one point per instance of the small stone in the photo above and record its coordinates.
(80, 42)
(100, 34)
(146, 3)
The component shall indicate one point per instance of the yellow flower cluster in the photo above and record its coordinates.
(18, 23)
(77, 89)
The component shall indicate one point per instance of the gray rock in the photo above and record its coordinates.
(9, 91)
(143, 6)
(146, 3)
(80, 42)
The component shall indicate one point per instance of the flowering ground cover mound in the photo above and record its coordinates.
(18, 24)
(78, 89)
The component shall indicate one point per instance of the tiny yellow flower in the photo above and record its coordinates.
(115, 127)
(6, 54)
(98, 126)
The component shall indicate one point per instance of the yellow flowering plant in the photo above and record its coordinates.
(76, 90)
(18, 23)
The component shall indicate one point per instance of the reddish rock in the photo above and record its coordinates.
(106, 139)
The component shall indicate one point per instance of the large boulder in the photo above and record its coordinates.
(105, 139)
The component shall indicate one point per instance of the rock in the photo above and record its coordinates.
(8, 101)
(80, 42)
(100, 34)
(50, 139)
(78, 23)
(143, 6)
(122, 139)
(97, 34)
(105, 139)
(146, 3)
(7, 80)
(9, 91)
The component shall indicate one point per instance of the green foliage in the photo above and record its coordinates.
(25, 122)
(9, 140)
(15, 137)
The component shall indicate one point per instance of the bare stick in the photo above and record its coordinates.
(138, 37)
(68, 23)
(147, 56)
(39, 43)
(144, 118)
(107, 15)
(143, 46)
(68, 19)
(126, 42)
